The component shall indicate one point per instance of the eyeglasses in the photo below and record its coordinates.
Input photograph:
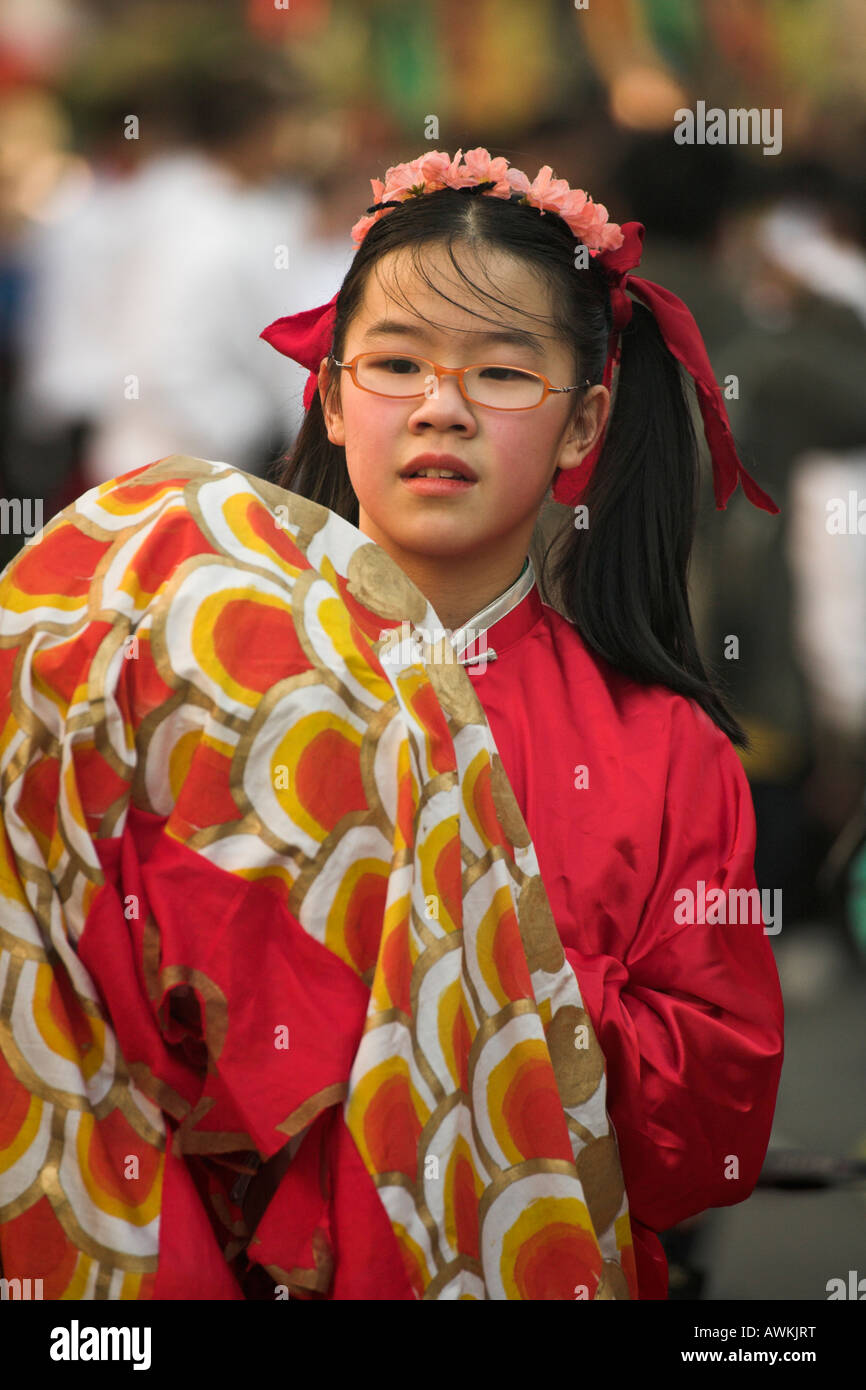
(488, 383)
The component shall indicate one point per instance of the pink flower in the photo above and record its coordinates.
(517, 181)
(438, 167)
(549, 194)
(400, 179)
(574, 205)
(591, 226)
(612, 237)
(479, 167)
(363, 225)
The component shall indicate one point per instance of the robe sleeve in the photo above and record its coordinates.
(691, 1019)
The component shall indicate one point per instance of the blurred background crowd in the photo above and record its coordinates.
(174, 176)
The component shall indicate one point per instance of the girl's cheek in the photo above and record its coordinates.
(520, 452)
(369, 433)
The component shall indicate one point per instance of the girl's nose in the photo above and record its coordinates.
(444, 400)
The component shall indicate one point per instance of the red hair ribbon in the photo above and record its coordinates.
(307, 337)
(684, 341)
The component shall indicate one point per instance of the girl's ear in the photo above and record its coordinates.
(330, 405)
(586, 427)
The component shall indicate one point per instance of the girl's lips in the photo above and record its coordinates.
(438, 487)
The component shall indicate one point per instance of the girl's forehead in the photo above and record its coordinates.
(489, 267)
(498, 286)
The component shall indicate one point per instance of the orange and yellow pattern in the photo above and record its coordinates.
(192, 652)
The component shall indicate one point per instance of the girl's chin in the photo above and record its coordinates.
(428, 539)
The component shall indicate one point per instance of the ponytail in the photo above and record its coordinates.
(623, 581)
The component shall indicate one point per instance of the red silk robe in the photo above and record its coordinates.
(689, 1015)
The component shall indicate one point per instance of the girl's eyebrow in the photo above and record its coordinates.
(515, 337)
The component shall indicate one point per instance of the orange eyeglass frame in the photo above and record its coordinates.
(439, 372)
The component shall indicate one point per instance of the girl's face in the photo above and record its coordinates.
(514, 454)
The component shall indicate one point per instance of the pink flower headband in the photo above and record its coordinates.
(308, 336)
(430, 172)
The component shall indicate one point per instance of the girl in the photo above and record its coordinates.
(401, 928)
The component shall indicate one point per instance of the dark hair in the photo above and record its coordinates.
(622, 581)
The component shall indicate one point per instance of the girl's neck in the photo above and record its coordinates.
(458, 589)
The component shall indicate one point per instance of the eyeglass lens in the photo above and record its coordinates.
(508, 388)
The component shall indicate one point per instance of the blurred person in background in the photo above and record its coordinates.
(799, 364)
(150, 279)
(827, 559)
(34, 160)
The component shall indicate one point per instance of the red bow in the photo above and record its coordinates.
(684, 341)
(307, 337)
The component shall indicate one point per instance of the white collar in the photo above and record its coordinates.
(476, 627)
